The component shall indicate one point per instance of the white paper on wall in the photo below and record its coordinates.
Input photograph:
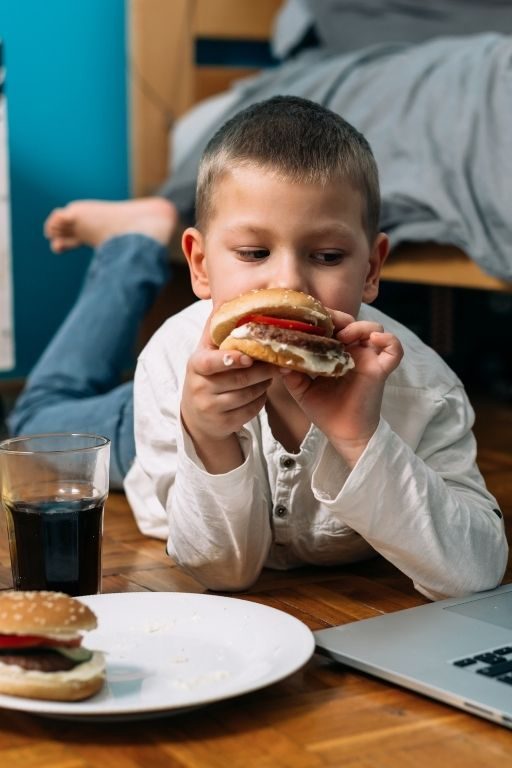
(6, 301)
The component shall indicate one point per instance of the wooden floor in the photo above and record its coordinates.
(324, 715)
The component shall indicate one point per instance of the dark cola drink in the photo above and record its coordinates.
(55, 544)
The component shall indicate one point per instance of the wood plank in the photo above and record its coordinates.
(443, 265)
(235, 19)
(46, 754)
(160, 84)
(162, 74)
(208, 81)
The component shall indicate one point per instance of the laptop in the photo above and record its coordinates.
(458, 651)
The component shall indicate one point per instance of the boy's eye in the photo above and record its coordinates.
(252, 254)
(328, 257)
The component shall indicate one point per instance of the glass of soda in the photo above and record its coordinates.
(53, 490)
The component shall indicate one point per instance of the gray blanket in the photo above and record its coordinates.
(438, 116)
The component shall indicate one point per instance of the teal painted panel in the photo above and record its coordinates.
(67, 119)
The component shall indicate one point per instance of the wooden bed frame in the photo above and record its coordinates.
(165, 81)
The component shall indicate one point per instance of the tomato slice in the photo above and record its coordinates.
(283, 322)
(32, 641)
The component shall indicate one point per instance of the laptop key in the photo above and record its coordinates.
(506, 679)
(495, 670)
(503, 651)
(489, 658)
(464, 662)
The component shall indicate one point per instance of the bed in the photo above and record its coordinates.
(166, 80)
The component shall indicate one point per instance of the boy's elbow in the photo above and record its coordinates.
(487, 569)
(492, 571)
(220, 575)
(493, 576)
(485, 574)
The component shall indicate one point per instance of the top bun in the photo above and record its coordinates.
(43, 613)
(275, 302)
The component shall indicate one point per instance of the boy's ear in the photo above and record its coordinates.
(378, 256)
(192, 243)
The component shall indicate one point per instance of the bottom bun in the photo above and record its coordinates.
(294, 358)
(78, 683)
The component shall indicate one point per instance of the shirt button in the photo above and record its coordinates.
(287, 462)
(280, 511)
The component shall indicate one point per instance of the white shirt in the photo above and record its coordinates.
(415, 496)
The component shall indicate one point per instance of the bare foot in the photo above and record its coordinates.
(91, 222)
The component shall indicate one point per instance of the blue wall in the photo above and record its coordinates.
(67, 121)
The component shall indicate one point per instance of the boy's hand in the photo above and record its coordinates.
(347, 409)
(223, 390)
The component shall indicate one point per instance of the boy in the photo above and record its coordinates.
(246, 465)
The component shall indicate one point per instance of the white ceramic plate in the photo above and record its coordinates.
(168, 651)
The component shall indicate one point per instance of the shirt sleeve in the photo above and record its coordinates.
(217, 526)
(426, 510)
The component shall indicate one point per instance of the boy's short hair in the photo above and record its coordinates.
(299, 139)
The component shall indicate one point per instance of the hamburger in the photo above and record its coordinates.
(283, 327)
(41, 652)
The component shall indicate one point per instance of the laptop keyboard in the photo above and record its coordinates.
(496, 664)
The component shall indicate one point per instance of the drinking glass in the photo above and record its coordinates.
(53, 488)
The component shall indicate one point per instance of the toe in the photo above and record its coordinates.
(52, 223)
(59, 223)
(60, 244)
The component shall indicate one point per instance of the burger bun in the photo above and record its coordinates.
(275, 302)
(79, 683)
(59, 618)
(314, 353)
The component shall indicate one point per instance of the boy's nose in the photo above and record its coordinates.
(288, 274)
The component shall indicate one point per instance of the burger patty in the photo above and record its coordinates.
(38, 660)
(319, 345)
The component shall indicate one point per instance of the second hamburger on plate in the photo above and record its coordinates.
(41, 651)
(283, 327)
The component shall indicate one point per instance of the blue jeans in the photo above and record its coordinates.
(75, 386)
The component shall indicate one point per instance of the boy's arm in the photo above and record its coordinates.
(219, 528)
(347, 409)
(426, 510)
(217, 525)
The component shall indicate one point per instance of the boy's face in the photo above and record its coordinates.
(266, 231)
